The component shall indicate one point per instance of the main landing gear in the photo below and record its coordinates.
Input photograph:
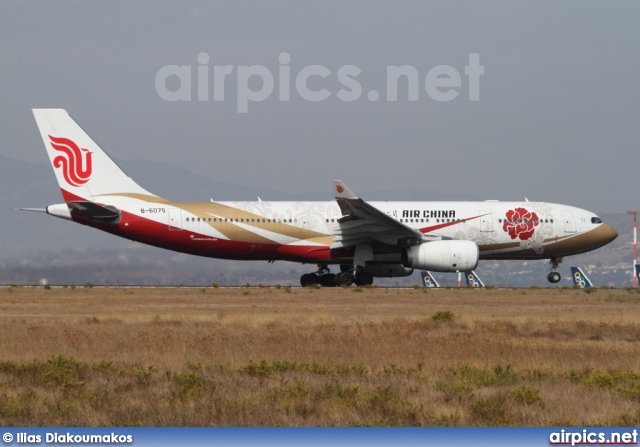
(322, 276)
(347, 276)
(553, 276)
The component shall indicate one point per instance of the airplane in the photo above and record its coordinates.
(366, 240)
(428, 280)
(580, 280)
(473, 280)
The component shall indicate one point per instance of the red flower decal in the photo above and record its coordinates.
(520, 223)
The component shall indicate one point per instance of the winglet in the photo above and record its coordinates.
(342, 191)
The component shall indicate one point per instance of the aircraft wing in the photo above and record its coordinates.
(362, 223)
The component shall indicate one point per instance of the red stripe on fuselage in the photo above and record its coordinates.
(448, 224)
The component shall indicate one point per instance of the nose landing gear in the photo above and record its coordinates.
(553, 276)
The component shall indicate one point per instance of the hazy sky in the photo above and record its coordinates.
(556, 120)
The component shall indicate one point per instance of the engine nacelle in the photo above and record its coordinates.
(442, 256)
(388, 270)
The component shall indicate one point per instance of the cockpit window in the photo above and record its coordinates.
(596, 220)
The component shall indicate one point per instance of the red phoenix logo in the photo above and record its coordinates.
(520, 223)
(340, 189)
(75, 162)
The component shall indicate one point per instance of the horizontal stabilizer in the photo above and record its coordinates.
(35, 210)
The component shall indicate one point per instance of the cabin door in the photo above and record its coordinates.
(569, 223)
(486, 220)
(175, 219)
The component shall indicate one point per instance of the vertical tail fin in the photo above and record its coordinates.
(83, 170)
(473, 280)
(580, 280)
(428, 280)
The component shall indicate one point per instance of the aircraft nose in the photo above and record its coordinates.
(606, 233)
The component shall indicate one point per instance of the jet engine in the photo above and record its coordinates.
(442, 256)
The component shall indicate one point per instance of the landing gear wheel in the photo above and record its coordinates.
(364, 279)
(344, 279)
(328, 280)
(322, 276)
(308, 279)
(554, 277)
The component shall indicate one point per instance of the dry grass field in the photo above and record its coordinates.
(286, 356)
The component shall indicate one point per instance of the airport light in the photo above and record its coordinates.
(635, 245)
